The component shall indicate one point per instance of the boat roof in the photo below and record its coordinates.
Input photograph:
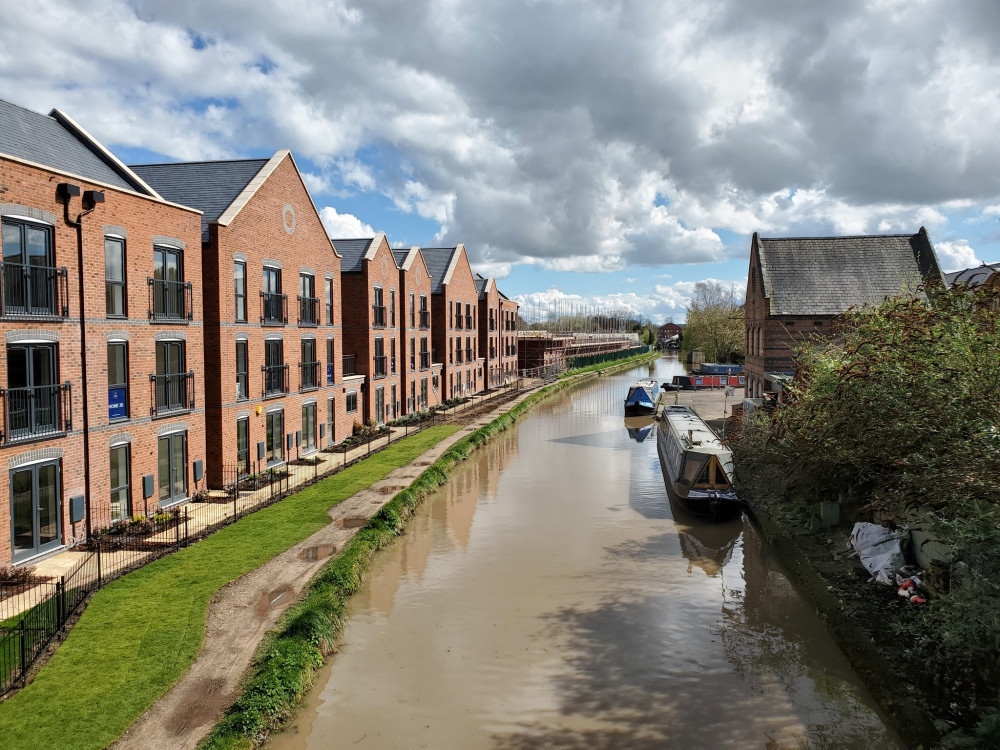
(684, 421)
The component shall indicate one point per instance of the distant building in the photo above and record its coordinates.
(988, 274)
(668, 333)
(798, 286)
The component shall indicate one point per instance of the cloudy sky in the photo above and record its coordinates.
(609, 152)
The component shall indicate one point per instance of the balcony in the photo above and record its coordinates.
(425, 319)
(273, 309)
(425, 361)
(308, 376)
(275, 380)
(170, 300)
(38, 412)
(378, 316)
(349, 365)
(171, 393)
(29, 291)
(380, 366)
(308, 311)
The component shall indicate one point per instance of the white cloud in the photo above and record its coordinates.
(956, 255)
(344, 226)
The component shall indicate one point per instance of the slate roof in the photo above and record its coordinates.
(400, 256)
(437, 260)
(480, 283)
(973, 276)
(210, 186)
(827, 275)
(352, 253)
(45, 140)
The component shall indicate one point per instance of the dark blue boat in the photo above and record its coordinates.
(642, 397)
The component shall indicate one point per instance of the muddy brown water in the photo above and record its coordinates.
(551, 596)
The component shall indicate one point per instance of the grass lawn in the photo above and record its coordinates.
(140, 634)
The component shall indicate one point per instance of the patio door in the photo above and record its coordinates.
(36, 509)
(172, 464)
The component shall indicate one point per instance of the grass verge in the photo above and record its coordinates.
(613, 365)
(140, 634)
(287, 660)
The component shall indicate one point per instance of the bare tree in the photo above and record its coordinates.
(715, 321)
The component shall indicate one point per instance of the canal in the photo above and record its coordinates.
(551, 596)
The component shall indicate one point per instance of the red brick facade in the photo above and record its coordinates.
(294, 408)
(372, 332)
(39, 444)
(508, 339)
(456, 330)
(421, 377)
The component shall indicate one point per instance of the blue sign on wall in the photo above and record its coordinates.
(329, 373)
(116, 403)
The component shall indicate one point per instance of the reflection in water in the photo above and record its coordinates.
(551, 597)
(639, 428)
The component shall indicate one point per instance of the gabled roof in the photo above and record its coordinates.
(827, 275)
(352, 253)
(400, 256)
(481, 283)
(57, 142)
(211, 186)
(440, 262)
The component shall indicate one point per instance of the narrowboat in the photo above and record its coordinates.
(642, 397)
(698, 468)
(713, 368)
(694, 382)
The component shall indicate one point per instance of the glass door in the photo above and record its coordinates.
(167, 282)
(35, 510)
(171, 466)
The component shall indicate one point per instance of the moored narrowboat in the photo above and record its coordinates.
(642, 397)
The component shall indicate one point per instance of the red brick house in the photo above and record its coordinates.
(100, 313)
(372, 332)
(798, 286)
(273, 327)
(421, 377)
(508, 338)
(455, 303)
(497, 335)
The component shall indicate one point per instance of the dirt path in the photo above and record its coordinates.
(246, 609)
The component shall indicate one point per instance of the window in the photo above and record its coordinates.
(271, 298)
(425, 316)
(392, 356)
(329, 302)
(275, 434)
(274, 367)
(351, 402)
(33, 399)
(121, 500)
(330, 414)
(411, 403)
(380, 364)
(117, 380)
(425, 356)
(29, 278)
(309, 426)
(169, 290)
(378, 309)
(309, 365)
(35, 498)
(170, 380)
(308, 301)
(380, 405)
(423, 393)
(329, 361)
(413, 353)
(240, 290)
(114, 276)
(451, 314)
(242, 372)
(172, 465)
(243, 446)
(413, 312)
(392, 308)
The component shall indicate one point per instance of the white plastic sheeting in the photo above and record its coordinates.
(880, 550)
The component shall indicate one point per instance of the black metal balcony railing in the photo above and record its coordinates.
(458, 322)
(171, 393)
(33, 291)
(30, 413)
(349, 367)
(425, 319)
(458, 356)
(308, 311)
(170, 300)
(380, 366)
(273, 309)
(275, 379)
(468, 355)
(425, 361)
(378, 316)
(308, 375)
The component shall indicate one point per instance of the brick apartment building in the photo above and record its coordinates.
(421, 376)
(455, 304)
(798, 286)
(508, 338)
(100, 313)
(276, 389)
(372, 332)
(497, 338)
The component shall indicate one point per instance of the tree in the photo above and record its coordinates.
(715, 322)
